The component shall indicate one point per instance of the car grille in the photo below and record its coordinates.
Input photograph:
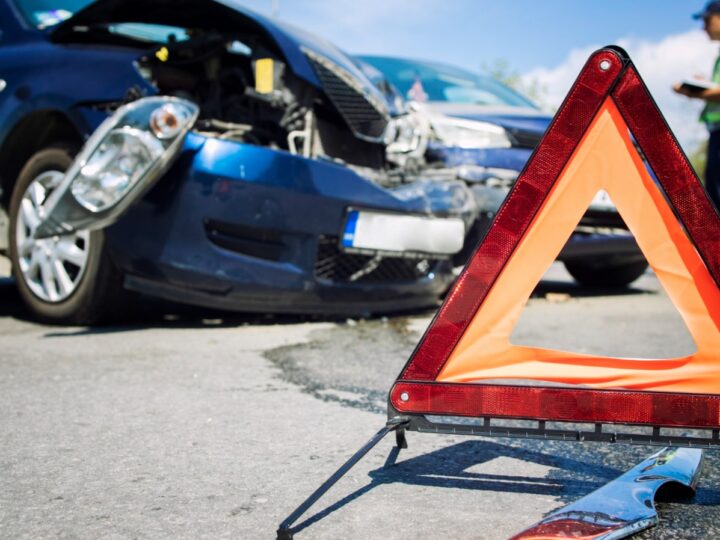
(259, 243)
(362, 117)
(332, 264)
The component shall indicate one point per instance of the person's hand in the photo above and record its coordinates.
(684, 90)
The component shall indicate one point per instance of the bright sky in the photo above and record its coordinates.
(545, 40)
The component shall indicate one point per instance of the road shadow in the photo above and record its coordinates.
(151, 313)
(576, 290)
(569, 479)
(11, 305)
(193, 318)
(448, 468)
(146, 312)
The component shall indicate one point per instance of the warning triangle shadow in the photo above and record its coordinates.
(569, 478)
(553, 285)
(448, 467)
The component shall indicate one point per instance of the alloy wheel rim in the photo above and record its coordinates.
(51, 267)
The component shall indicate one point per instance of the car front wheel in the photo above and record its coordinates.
(65, 279)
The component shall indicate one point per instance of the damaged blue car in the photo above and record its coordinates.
(198, 152)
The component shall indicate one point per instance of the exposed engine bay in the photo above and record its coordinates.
(246, 93)
(219, 74)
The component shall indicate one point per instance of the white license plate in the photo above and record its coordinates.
(403, 233)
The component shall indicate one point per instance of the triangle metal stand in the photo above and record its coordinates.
(633, 492)
(396, 424)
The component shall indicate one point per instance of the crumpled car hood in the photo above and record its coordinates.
(221, 15)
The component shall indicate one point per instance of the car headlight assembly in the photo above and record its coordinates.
(469, 133)
(136, 143)
(118, 164)
(115, 167)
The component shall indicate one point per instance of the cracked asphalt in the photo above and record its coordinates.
(189, 424)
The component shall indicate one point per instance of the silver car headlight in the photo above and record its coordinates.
(121, 160)
(118, 164)
(469, 133)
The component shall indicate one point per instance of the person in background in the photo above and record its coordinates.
(711, 113)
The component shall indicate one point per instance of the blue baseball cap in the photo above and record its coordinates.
(710, 8)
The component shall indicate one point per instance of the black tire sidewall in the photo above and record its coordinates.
(81, 306)
(596, 274)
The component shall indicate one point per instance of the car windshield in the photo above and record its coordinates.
(45, 13)
(431, 81)
(154, 33)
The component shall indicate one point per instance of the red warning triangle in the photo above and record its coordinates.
(588, 147)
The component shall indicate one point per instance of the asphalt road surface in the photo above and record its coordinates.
(189, 424)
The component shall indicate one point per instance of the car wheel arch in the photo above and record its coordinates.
(34, 131)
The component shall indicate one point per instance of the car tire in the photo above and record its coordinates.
(593, 273)
(67, 279)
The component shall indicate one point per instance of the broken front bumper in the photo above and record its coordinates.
(247, 228)
(230, 225)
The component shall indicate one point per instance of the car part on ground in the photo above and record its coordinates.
(626, 505)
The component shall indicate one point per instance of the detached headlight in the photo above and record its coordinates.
(136, 143)
(469, 133)
(121, 160)
(119, 163)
